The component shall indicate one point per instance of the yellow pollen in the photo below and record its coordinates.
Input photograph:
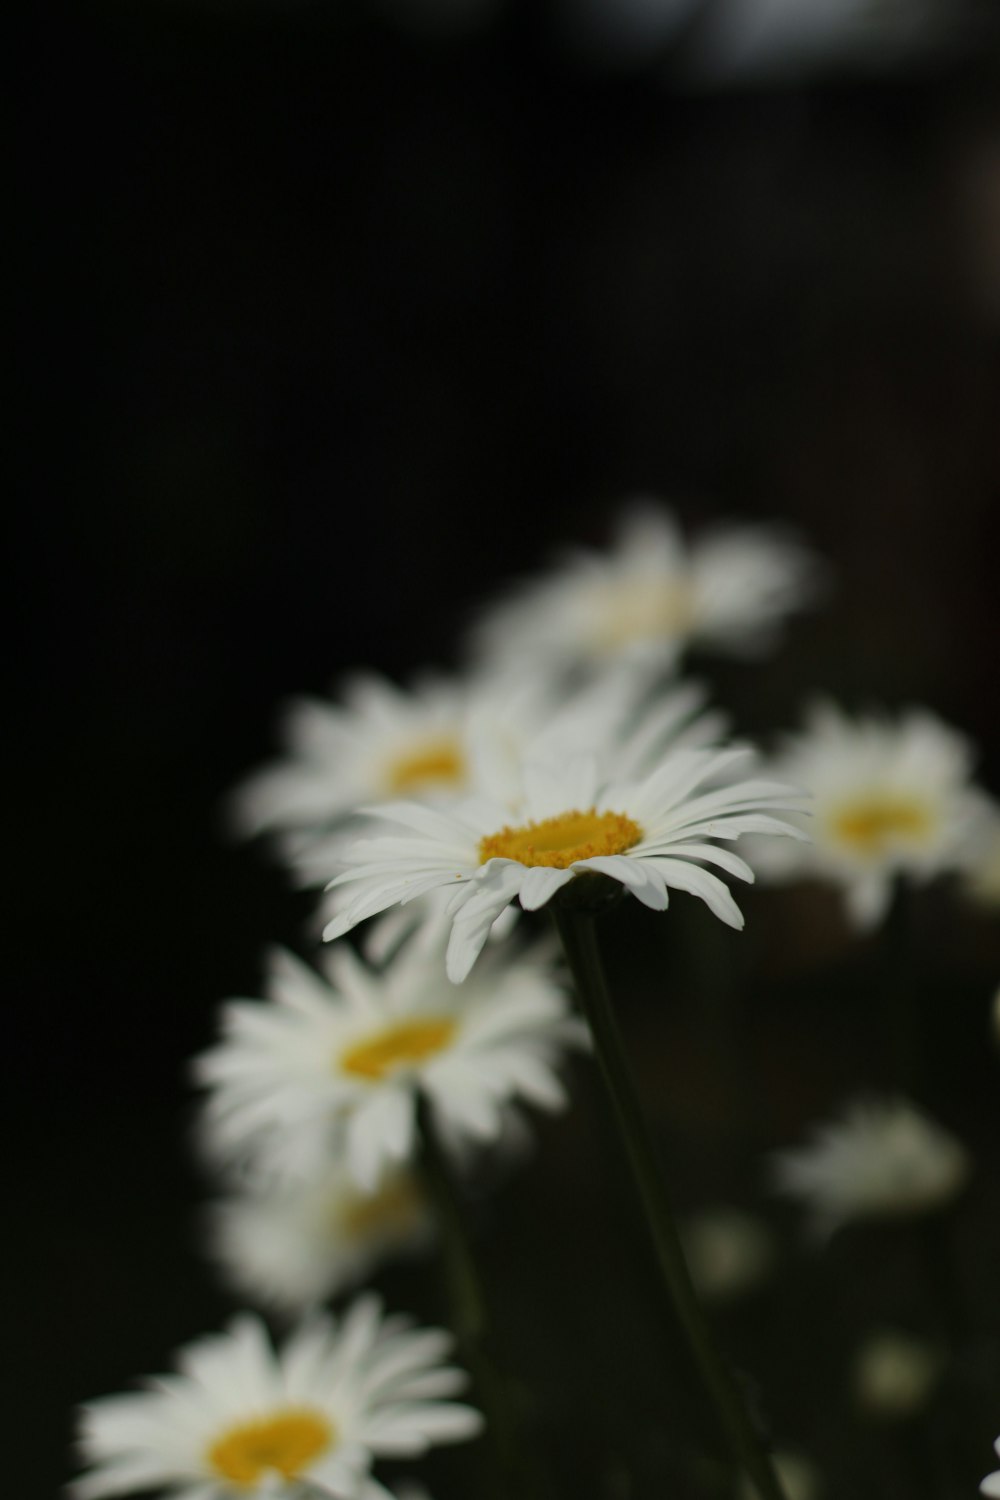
(398, 1046)
(440, 762)
(560, 842)
(285, 1443)
(872, 826)
(393, 1210)
(643, 607)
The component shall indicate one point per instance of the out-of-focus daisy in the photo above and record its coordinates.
(883, 1159)
(651, 594)
(292, 1245)
(889, 799)
(241, 1419)
(651, 835)
(981, 875)
(340, 1058)
(727, 1250)
(894, 1374)
(991, 1484)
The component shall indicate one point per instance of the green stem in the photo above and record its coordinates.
(579, 938)
(513, 1478)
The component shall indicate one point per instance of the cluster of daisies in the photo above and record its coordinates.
(571, 756)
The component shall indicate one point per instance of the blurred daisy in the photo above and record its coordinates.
(981, 875)
(888, 800)
(340, 1058)
(651, 595)
(991, 1484)
(883, 1159)
(894, 1374)
(239, 1419)
(292, 1245)
(651, 835)
(728, 1252)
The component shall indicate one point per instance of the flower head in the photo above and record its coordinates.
(888, 799)
(292, 1245)
(337, 1060)
(883, 1159)
(991, 1484)
(240, 1419)
(651, 835)
(652, 594)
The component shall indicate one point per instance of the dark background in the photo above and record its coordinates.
(330, 329)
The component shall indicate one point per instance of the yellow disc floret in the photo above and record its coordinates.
(285, 1443)
(560, 842)
(437, 763)
(398, 1046)
(875, 825)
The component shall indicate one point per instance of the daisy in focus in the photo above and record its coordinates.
(293, 1245)
(884, 1159)
(239, 1418)
(651, 595)
(991, 1484)
(888, 800)
(335, 1061)
(651, 835)
(443, 740)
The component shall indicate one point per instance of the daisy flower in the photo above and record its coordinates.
(991, 1484)
(883, 1159)
(335, 1061)
(293, 1245)
(652, 835)
(240, 1419)
(651, 595)
(444, 740)
(888, 800)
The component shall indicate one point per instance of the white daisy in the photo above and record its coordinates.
(888, 800)
(883, 1159)
(293, 1245)
(981, 875)
(338, 1060)
(894, 1374)
(446, 740)
(651, 595)
(651, 835)
(239, 1419)
(991, 1484)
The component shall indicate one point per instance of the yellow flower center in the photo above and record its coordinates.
(285, 1443)
(560, 842)
(398, 1046)
(393, 1210)
(641, 608)
(437, 763)
(874, 824)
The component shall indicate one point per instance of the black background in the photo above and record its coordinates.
(330, 330)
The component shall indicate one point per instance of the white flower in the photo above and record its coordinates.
(981, 875)
(443, 741)
(727, 1251)
(991, 1484)
(292, 1245)
(651, 595)
(339, 1061)
(239, 1419)
(894, 1373)
(651, 835)
(888, 800)
(883, 1159)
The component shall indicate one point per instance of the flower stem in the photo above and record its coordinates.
(577, 930)
(513, 1477)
